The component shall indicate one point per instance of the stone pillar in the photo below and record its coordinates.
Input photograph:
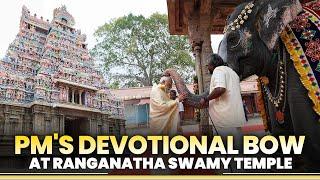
(67, 91)
(122, 125)
(197, 54)
(85, 98)
(38, 121)
(108, 126)
(56, 122)
(6, 123)
(93, 126)
(80, 100)
(2, 120)
(61, 124)
(73, 96)
(199, 30)
(21, 120)
(105, 122)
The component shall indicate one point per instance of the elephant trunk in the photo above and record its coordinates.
(191, 99)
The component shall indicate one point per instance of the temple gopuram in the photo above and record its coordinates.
(49, 84)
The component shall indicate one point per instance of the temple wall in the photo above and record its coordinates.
(44, 120)
(15, 120)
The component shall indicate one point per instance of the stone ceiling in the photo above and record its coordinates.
(179, 11)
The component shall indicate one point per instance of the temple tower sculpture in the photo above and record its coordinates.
(49, 83)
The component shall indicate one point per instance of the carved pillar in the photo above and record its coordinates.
(2, 119)
(21, 121)
(93, 125)
(72, 95)
(105, 123)
(38, 120)
(61, 124)
(6, 123)
(80, 100)
(86, 98)
(122, 126)
(67, 91)
(199, 18)
(196, 48)
(56, 122)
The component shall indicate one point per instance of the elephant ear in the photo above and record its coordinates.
(273, 16)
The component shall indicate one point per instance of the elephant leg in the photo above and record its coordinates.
(280, 129)
(284, 129)
(305, 121)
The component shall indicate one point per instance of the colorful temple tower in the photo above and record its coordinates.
(48, 82)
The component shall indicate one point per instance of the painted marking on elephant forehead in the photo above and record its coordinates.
(270, 14)
(246, 34)
(246, 40)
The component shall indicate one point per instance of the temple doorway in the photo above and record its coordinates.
(75, 127)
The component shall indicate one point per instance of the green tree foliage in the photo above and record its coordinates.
(135, 51)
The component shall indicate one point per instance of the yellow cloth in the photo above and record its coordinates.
(164, 112)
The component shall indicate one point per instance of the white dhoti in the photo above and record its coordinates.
(164, 112)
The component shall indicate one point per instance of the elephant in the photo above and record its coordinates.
(252, 45)
(255, 46)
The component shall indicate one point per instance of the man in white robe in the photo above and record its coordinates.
(164, 112)
(225, 101)
(226, 111)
